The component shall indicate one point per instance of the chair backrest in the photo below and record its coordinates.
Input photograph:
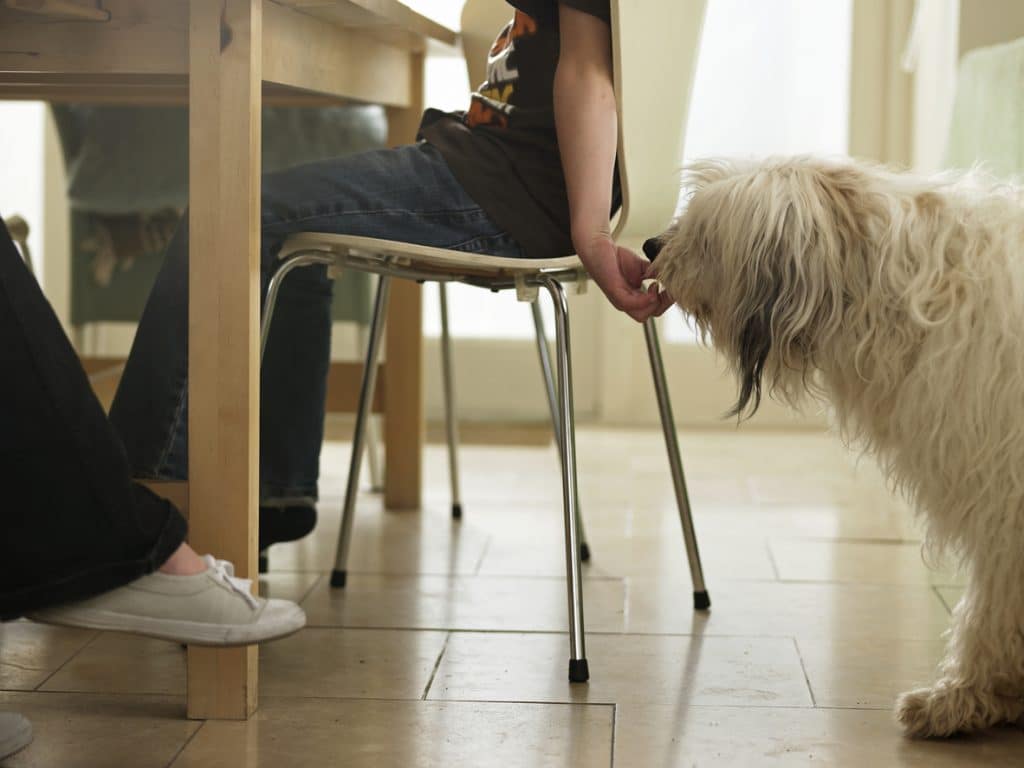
(481, 22)
(655, 45)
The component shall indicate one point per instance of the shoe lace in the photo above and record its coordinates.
(224, 571)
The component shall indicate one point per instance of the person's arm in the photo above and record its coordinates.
(587, 125)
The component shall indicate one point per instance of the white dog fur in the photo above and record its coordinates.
(900, 301)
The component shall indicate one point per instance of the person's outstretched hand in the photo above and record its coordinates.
(620, 273)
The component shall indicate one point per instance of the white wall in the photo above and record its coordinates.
(21, 158)
(772, 78)
(32, 185)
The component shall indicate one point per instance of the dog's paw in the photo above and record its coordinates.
(942, 711)
(916, 714)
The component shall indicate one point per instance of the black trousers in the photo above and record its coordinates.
(72, 522)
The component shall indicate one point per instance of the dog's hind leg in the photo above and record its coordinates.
(981, 681)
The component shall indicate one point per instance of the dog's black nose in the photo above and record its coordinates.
(652, 247)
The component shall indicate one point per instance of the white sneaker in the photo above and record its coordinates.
(209, 608)
(15, 734)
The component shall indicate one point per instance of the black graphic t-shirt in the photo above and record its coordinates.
(504, 149)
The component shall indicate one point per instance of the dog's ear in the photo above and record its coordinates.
(755, 344)
(790, 237)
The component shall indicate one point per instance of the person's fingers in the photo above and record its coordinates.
(641, 307)
(664, 302)
(641, 299)
(625, 297)
(621, 280)
(643, 315)
(632, 267)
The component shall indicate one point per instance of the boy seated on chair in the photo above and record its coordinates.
(491, 180)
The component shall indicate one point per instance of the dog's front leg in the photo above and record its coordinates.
(981, 680)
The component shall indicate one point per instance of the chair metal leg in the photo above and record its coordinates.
(701, 600)
(578, 671)
(556, 422)
(269, 303)
(339, 574)
(372, 429)
(274, 287)
(450, 423)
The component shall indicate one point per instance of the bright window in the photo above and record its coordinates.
(773, 78)
(22, 126)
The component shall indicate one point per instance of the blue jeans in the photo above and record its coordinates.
(404, 194)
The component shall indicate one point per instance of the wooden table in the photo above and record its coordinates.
(224, 57)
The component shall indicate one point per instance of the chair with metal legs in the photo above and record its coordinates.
(402, 260)
(544, 354)
(645, 43)
(447, 375)
(450, 419)
(451, 424)
(372, 430)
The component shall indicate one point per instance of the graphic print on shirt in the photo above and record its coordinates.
(492, 105)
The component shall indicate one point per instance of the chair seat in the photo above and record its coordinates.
(442, 262)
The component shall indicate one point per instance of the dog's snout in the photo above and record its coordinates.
(652, 247)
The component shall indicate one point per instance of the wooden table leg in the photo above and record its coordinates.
(404, 429)
(225, 74)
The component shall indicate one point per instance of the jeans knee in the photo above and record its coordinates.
(308, 282)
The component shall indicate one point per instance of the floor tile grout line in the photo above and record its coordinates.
(527, 702)
(96, 634)
(437, 665)
(314, 585)
(896, 541)
(876, 584)
(516, 577)
(615, 727)
(716, 705)
(531, 702)
(563, 633)
(519, 577)
(771, 559)
(483, 555)
(184, 746)
(147, 694)
(807, 678)
(399, 700)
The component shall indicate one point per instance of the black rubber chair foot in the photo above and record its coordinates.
(264, 562)
(578, 671)
(456, 511)
(701, 601)
(585, 552)
(338, 578)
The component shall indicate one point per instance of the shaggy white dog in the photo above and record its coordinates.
(900, 300)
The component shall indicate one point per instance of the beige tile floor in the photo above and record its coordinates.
(448, 647)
